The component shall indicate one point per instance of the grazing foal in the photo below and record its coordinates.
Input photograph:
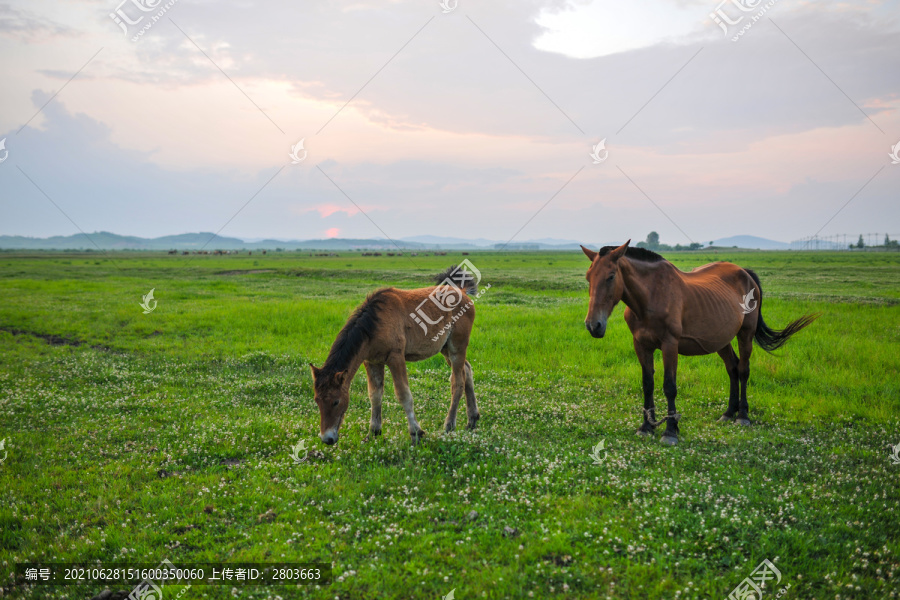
(682, 313)
(385, 330)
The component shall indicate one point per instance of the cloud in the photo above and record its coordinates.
(421, 120)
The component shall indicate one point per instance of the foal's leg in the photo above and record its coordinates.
(731, 365)
(471, 402)
(472, 413)
(645, 357)
(745, 347)
(670, 368)
(397, 365)
(458, 382)
(375, 375)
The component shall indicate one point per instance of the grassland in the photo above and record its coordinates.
(137, 437)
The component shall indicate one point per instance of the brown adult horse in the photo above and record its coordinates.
(389, 328)
(682, 313)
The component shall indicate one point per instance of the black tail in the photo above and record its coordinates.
(772, 339)
(458, 277)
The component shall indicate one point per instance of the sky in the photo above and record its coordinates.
(455, 118)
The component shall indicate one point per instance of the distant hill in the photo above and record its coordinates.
(185, 241)
(208, 241)
(751, 242)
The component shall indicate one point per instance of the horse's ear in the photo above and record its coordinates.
(315, 371)
(339, 377)
(589, 253)
(620, 251)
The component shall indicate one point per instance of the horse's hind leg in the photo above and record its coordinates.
(645, 357)
(471, 402)
(745, 348)
(731, 365)
(397, 365)
(375, 375)
(458, 383)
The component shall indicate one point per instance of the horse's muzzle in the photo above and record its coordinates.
(329, 437)
(597, 330)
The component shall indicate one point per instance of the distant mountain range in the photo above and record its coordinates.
(751, 242)
(209, 241)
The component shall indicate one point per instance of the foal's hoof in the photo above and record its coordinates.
(643, 433)
(473, 421)
(725, 419)
(417, 436)
(449, 426)
(669, 440)
(742, 421)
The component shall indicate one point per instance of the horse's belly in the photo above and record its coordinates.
(691, 348)
(696, 346)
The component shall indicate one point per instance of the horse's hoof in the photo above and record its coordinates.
(725, 419)
(417, 436)
(669, 440)
(375, 432)
(742, 421)
(642, 433)
(472, 423)
(449, 427)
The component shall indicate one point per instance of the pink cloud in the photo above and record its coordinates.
(326, 210)
(333, 232)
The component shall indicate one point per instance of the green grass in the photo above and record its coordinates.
(98, 400)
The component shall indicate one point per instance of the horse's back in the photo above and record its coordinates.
(711, 313)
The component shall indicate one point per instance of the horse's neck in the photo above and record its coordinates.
(636, 276)
(353, 364)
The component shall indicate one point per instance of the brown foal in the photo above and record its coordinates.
(389, 328)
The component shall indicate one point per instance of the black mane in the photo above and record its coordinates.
(634, 252)
(360, 327)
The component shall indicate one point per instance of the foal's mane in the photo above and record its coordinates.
(634, 253)
(358, 329)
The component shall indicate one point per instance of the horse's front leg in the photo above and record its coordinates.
(645, 357)
(397, 365)
(670, 368)
(375, 374)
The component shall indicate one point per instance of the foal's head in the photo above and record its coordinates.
(605, 283)
(333, 397)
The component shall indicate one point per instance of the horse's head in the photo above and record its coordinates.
(606, 287)
(332, 397)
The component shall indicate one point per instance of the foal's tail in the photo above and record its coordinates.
(459, 277)
(772, 339)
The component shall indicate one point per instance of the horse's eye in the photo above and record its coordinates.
(611, 277)
(336, 402)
